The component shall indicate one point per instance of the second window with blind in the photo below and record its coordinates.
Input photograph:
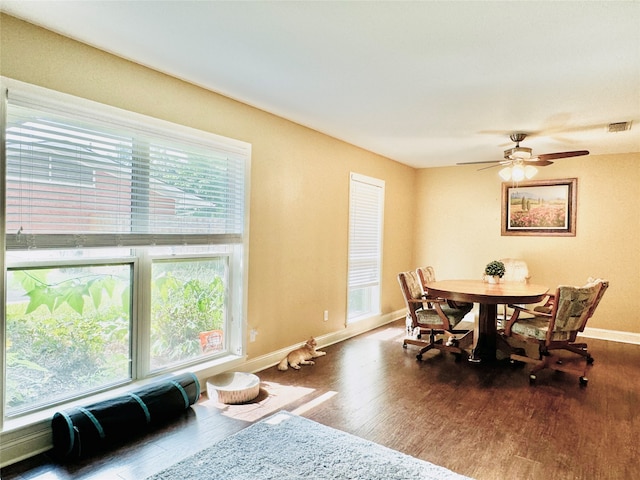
(366, 214)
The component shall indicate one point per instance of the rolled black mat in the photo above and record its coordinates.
(82, 431)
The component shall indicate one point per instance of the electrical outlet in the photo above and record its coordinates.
(326, 315)
(252, 335)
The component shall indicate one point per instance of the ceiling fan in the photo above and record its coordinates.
(521, 159)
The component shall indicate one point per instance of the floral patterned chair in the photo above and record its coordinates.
(432, 316)
(428, 274)
(555, 326)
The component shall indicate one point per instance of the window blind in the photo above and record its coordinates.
(80, 174)
(365, 231)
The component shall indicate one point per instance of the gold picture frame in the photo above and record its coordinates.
(540, 208)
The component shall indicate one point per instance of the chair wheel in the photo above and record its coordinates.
(590, 360)
(583, 381)
(419, 357)
(532, 379)
(516, 363)
(404, 345)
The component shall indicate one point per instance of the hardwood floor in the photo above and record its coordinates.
(483, 421)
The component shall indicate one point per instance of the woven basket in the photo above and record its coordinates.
(233, 387)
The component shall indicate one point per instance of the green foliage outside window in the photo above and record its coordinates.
(188, 298)
(69, 333)
(69, 329)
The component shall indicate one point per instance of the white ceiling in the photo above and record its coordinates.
(427, 83)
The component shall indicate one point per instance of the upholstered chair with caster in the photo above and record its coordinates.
(428, 274)
(554, 327)
(434, 318)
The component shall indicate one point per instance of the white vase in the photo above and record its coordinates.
(493, 279)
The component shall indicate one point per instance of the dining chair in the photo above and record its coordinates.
(515, 270)
(433, 317)
(555, 327)
(428, 274)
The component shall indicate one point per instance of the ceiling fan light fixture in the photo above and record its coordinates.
(517, 172)
(518, 153)
(505, 174)
(530, 171)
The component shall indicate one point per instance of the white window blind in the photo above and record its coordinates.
(80, 174)
(365, 244)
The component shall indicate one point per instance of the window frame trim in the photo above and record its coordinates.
(239, 245)
(375, 182)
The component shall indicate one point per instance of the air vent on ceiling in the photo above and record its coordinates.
(618, 127)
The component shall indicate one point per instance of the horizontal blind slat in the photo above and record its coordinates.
(74, 173)
(364, 234)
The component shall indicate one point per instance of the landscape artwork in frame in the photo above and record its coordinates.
(540, 207)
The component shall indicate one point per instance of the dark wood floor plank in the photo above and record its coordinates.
(484, 421)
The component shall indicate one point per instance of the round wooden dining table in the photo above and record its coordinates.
(489, 296)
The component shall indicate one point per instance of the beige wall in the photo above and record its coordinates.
(299, 182)
(446, 217)
(459, 230)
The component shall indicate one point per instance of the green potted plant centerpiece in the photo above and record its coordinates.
(494, 271)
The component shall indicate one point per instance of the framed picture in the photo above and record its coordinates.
(540, 208)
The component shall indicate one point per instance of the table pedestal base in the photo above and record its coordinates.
(484, 347)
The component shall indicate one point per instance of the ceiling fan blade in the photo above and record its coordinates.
(553, 156)
(538, 162)
(476, 163)
(491, 166)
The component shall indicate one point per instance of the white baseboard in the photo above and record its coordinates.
(273, 358)
(612, 335)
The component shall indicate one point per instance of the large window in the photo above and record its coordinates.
(124, 247)
(366, 202)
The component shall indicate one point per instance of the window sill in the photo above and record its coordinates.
(202, 371)
(30, 434)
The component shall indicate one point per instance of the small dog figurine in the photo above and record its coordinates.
(301, 356)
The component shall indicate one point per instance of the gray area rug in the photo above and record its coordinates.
(286, 447)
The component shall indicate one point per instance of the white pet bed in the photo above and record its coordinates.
(233, 387)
